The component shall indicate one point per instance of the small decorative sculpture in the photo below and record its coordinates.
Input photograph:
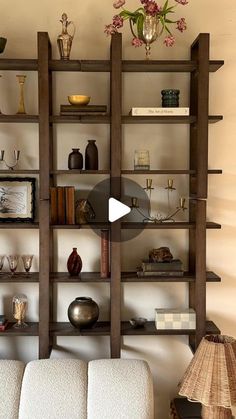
(162, 254)
(83, 211)
(64, 40)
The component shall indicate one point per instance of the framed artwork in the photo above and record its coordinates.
(17, 199)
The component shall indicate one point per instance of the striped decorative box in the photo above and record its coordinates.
(175, 318)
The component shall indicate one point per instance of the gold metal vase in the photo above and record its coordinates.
(21, 107)
(149, 32)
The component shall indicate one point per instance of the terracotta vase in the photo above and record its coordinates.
(74, 263)
(91, 156)
(75, 159)
(83, 312)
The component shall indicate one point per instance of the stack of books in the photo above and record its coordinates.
(62, 205)
(172, 268)
(78, 110)
(159, 112)
(3, 322)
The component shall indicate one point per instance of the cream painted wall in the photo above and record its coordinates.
(167, 356)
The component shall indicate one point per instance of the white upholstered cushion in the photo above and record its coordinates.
(11, 373)
(119, 389)
(54, 389)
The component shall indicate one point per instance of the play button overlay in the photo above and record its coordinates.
(117, 210)
(108, 208)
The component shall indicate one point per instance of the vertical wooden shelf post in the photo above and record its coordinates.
(45, 165)
(115, 191)
(199, 106)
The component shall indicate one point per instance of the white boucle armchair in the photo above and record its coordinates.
(74, 389)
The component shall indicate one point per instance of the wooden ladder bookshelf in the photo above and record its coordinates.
(199, 68)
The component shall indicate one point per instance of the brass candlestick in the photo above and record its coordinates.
(21, 108)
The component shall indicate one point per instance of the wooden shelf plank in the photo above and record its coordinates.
(187, 277)
(80, 119)
(80, 172)
(83, 277)
(167, 225)
(80, 65)
(19, 172)
(98, 225)
(66, 329)
(168, 172)
(24, 118)
(182, 66)
(176, 66)
(101, 329)
(31, 330)
(150, 329)
(19, 277)
(18, 64)
(128, 119)
(19, 225)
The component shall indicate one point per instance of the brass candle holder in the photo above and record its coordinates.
(159, 218)
(21, 107)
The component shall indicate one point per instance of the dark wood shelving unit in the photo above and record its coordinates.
(199, 66)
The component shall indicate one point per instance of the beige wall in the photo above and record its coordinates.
(167, 356)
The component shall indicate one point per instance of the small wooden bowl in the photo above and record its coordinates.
(79, 99)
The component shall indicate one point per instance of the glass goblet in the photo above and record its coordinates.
(13, 262)
(27, 262)
(2, 257)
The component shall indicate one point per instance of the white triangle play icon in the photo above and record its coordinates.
(117, 210)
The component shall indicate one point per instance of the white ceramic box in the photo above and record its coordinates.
(175, 318)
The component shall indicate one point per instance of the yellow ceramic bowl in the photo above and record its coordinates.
(79, 99)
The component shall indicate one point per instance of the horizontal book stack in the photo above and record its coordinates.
(62, 199)
(3, 323)
(159, 112)
(172, 268)
(76, 110)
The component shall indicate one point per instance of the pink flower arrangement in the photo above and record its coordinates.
(148, 8)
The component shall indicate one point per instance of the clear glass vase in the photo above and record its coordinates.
(19, 306)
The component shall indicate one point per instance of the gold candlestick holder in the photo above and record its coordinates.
(21, 107)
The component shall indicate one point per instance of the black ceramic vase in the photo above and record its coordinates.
(75, 159)
(91, 156)
(83, 312)
(74, 263)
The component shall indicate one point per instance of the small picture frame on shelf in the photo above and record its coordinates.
(17, 199)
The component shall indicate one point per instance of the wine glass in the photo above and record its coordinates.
(13, 262)
(19, 305)
(2, 257)
(27, 262)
